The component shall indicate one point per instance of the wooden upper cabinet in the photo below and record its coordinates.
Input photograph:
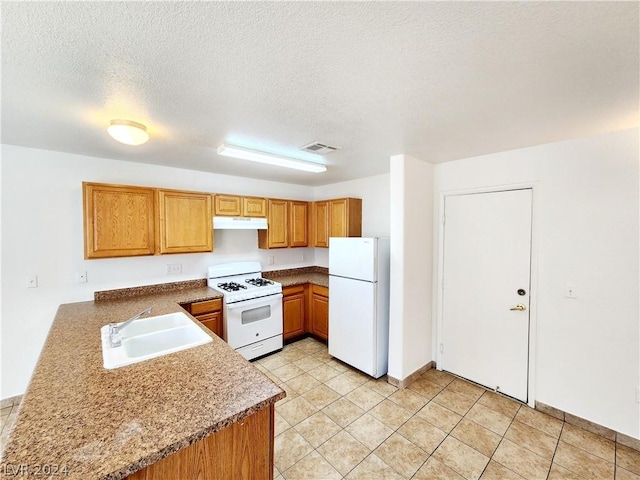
(185, 222)
(320, 223)
(237, 206)
(277, 233)
(228, 206)
(254, 207)
(298, 225)
(345, 217)
(119, 220)
(340, 217)
(288, 223)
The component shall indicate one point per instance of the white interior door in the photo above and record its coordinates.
(487, 270)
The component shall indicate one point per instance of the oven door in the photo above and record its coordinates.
(253, 320)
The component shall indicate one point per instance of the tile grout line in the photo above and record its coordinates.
(415, 415)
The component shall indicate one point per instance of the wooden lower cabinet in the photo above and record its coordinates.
(243, 450)
(294, 311)
(305, 309)
(319, 322)
(209, 313)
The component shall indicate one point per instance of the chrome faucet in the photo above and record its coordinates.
(115, 338)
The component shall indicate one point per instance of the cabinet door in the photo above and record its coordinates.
(228, 205)
(254, 207)
(298, 226)
(213, 321)
(277, 234)
(321, 224)
(345, 216)
(320, 312)
(119, 221)
(293, 312)
(185, 222)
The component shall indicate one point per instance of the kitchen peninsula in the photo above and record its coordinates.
(169, 417)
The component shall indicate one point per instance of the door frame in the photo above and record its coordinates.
(533, 294)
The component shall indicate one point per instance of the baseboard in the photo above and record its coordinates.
(589, 426)
(411, 378)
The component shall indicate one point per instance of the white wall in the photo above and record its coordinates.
(410, 332)
(374, 192)
(42, 235)
(586, 230)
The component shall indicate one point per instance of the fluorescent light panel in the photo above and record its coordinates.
(255, 156)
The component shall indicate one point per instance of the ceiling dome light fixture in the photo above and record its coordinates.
(128, 132)
(261, 157)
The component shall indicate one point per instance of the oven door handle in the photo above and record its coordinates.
(268, 299)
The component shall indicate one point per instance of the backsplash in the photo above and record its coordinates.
(148, 289)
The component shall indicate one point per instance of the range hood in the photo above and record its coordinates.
(239, 223)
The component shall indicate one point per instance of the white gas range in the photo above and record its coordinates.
(252, 308)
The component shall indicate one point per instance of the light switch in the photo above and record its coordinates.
(81, 277)
(32, 281)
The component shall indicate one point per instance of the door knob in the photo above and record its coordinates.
(519, 307)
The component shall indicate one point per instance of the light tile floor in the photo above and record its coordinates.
(339, 423)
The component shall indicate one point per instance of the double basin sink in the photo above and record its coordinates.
(152, 337)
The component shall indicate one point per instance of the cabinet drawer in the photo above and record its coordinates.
(318, 290)
(208, 306)
(292, 290)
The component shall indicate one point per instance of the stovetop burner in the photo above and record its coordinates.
(259, 282)
(231, 286)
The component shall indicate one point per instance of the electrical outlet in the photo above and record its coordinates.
(270, 260)
(637, 394)
(32, 281)
(303, 257)
(174, 268)
(81, 277)
(571, 291)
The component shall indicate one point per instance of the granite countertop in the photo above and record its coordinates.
(107, 424)
(315, 275)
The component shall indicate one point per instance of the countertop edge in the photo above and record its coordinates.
(190, 440)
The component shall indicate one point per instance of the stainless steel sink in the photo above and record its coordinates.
(152, 337)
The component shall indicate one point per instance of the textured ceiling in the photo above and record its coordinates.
(436, 80)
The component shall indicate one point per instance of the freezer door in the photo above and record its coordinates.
(353, 257)
(352, 310)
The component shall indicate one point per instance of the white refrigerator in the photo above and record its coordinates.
(359, 303)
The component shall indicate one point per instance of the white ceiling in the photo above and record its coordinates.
(436, 80)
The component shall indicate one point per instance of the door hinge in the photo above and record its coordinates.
(444, 218)
(441, 348)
